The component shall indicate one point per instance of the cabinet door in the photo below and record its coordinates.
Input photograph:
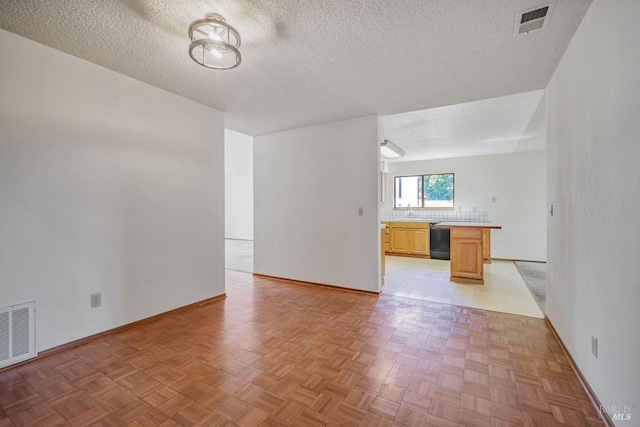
(419, 241)
(400, 240)
(466, 258)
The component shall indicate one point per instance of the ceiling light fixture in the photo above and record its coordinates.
(389, 150)
(214, 43)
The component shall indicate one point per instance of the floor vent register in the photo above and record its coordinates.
(17, 333)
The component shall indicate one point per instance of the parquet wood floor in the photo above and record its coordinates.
(276, 354)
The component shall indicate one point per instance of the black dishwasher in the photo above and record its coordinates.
(439, 242)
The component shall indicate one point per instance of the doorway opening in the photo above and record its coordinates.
(238, 201)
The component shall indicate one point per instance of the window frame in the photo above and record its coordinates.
(422, 207)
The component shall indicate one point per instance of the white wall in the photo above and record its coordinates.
(594, 183)
(238, 193)
(518, 182)
(107, 185)
(309, 183)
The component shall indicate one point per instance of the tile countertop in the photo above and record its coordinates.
(434, 221)
(413, 220)
(468, 224)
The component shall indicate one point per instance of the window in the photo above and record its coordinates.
(433, 191)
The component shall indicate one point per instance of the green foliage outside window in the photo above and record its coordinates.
(438, 188)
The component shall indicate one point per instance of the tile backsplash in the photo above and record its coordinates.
(416, 215)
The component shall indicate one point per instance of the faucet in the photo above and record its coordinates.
(409, 209)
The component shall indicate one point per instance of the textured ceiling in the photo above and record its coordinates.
(499, 125)
(307, 62)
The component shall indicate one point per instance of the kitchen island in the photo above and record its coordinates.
(467, 250)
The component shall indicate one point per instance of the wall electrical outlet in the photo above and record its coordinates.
(594, 345)
(96, 300)
(494, 199)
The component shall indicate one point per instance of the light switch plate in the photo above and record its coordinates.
(360, 211)
(594, 345)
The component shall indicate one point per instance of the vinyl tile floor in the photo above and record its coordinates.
(238, 255)
(426, 279)
(275, 353)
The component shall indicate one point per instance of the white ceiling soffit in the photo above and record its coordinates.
(535, 136)
(309, 62)
(491, 126)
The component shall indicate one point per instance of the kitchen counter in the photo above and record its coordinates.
(438, 221)
(467, 250)
(468, 224)
(413, 220)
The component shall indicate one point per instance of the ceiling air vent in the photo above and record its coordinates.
(533, 20)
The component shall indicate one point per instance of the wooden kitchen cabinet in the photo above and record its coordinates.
(419, 241)
(486, 245)
(466, 255)
(409, 238)
(382, 259)
(467, 252)
(400, 240)
(386, 238)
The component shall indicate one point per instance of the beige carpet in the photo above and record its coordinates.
(534, 275)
